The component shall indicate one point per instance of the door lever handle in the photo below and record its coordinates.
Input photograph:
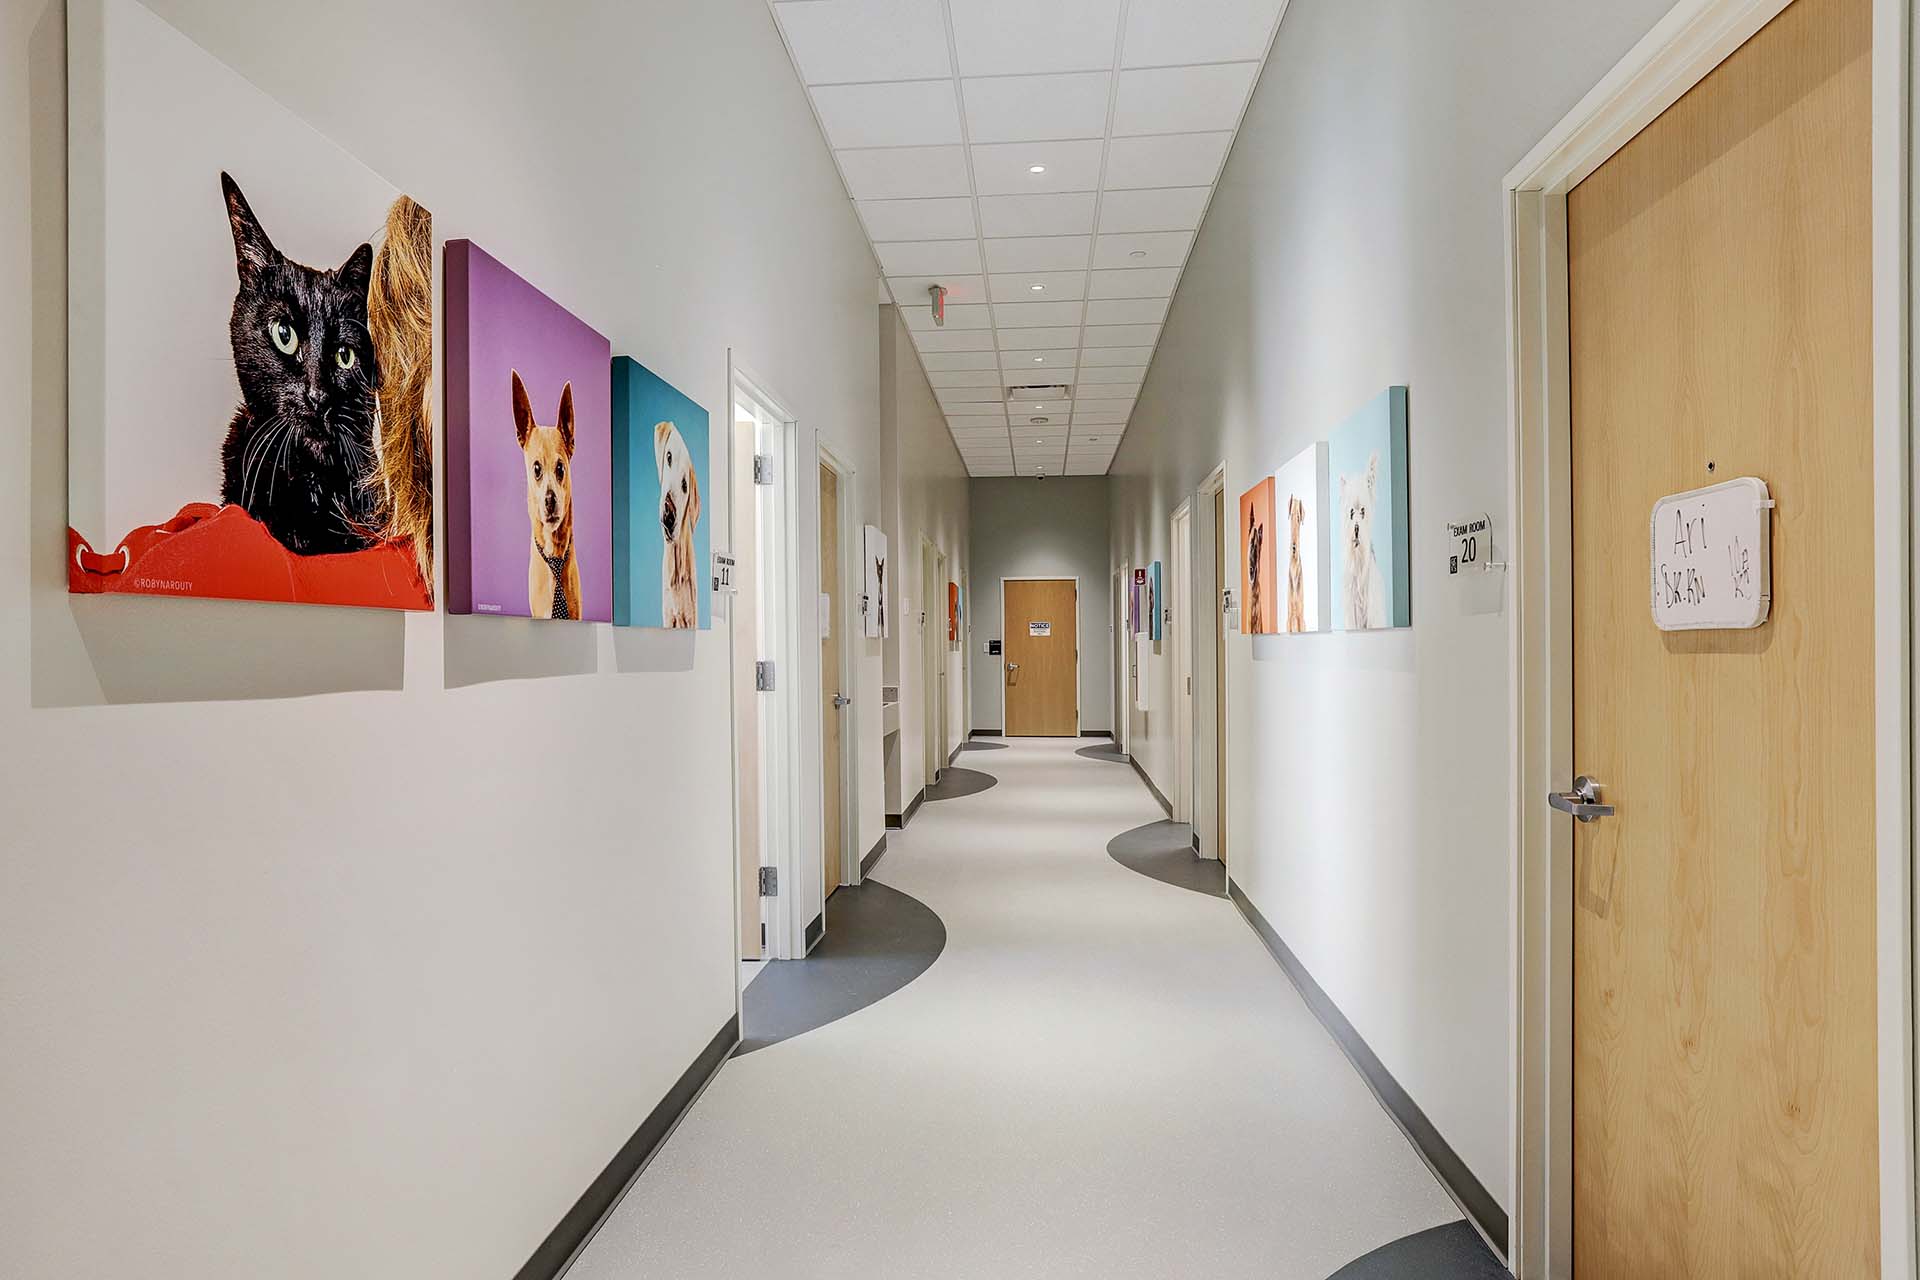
(1583, 802)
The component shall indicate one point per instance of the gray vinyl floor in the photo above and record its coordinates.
(1101, 1075)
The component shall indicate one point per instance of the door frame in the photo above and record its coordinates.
(933, 638)
(1212, 489)
(1122, 690)
(1179, 586)
(1695, 37)
(846, 617)
(784, 775)
(1074, 578)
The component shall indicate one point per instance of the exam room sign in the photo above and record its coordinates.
(1712, 557)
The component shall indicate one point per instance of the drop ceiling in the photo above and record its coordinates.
(1048, 162)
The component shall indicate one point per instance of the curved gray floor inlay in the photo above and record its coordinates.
(981, 744)
(1164, 851)
(955, 783)
(1454, 1251)
(1110, 752)
(878, 940)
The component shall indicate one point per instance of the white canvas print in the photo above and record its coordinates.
(1300, 512)
(877, 572)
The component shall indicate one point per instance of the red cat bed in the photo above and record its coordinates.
(223, 552)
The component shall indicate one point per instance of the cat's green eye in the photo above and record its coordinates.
(346, 358)
(284, 337)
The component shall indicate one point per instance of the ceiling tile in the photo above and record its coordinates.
(1006, 168)
(911, 113)
(1172, 160)
(939, 361)
(1055, 286)
(1097, 357)
(969, 378)
(1154, 209)
(1127, 311)
(1065, 214)
(1128, 390)
(929, 258)
(926, 340)
(1019, 411)
(987, 433)
(951, 396)
(1029, 315)
(911, 291)
(948, 218)
(1046, 363)
(1038, 253)
(1054, 337)
(1167, 32)
(891, 173)
(977, 417)
(1122, 335)
(1019, 37)
(967, 317)
(1094, 375)
(1138, 282)
(1143, 249)
(1036, 108)
(839, 40)
(1076, 467)
(1182, 99)
(1101, 417)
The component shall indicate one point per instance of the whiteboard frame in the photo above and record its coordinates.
(1763, 602)
(1680, 51)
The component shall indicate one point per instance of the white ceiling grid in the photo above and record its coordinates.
(1048, 162)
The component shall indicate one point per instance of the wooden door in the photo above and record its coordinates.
(830, 691)
(1042, 658)
(1724, 973)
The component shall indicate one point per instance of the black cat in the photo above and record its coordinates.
(299, 457)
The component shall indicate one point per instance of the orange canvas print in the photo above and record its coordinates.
(1259, 597)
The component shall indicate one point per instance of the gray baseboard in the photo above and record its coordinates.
(899, 821)
(1473, 1198)
(872, 860)
(817, 928)
(1096, 733)
(556, 1253)
(986, 733)
(955, 754)
(1164, 802)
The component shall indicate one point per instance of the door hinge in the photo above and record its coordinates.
(763, 468)
(769, 883)
(763, 676)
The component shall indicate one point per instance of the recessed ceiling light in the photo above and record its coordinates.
(1039, 406)
(1039, 359)
(1093, 439)
(1037, 288)
(1036, 168)
(1039, 422)
(1138, 253)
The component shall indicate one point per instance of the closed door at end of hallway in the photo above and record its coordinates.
(1042, 657)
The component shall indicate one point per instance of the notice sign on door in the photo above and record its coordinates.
(1712, 557)
(1040, 630)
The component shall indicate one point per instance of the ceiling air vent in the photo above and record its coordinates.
(1035, 394)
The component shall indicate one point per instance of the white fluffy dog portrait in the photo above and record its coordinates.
(679, 515)
(1366, 586)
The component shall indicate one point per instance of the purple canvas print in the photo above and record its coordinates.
(529, 449)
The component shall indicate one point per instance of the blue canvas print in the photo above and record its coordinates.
(1367, 462)
(660, 535)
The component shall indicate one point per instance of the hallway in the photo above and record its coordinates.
(1102, 1075)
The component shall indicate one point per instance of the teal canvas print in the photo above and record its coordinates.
(660, 527)
(1367, 462)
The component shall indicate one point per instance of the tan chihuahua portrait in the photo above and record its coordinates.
(553, 571)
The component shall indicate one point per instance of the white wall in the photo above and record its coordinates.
(1052, 528)
(929, 501)
(310, 964)
(1356, 242)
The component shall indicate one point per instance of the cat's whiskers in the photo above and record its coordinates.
(261, 448)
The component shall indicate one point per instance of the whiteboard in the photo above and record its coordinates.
(1711, 552)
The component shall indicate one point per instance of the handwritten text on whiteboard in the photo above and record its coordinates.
(1712, 557)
